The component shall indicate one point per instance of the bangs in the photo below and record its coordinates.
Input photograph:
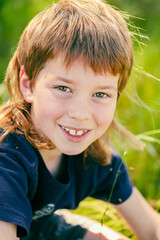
(95, 33)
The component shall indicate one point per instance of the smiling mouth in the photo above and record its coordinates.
(74, 132)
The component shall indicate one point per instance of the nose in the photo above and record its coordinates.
(80, 109)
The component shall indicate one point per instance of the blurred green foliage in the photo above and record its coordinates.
(140, 111)
(138, 107)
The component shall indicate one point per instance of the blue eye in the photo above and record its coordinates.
(63, 88)
(101, 95)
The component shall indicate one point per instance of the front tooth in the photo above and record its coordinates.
(72, 132)
(79, 133)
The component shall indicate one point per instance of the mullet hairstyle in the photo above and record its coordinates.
(87, 30)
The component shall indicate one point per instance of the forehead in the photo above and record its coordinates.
(77, 73)
(79, 65)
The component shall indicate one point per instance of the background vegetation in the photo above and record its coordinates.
(138, 107)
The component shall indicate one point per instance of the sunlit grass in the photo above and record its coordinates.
(95, 209)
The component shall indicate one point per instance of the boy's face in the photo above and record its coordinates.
(71, 107)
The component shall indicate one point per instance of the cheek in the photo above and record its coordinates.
(104, 116)
(104, 121)
(45, 110)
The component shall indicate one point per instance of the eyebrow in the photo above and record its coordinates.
(108, 87)
(66, 80)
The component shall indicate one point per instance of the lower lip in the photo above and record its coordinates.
(72, 138)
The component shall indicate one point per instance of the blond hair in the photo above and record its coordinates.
(89, 30)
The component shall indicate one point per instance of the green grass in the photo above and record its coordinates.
(95, 209)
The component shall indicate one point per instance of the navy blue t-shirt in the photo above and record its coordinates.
(29, 192)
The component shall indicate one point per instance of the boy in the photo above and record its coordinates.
(71, 64)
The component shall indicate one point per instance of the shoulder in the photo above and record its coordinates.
(94, 170)
(19, 176)
(112, 182)
(89, 165)
(16, 149)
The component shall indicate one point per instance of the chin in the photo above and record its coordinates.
(73, 152)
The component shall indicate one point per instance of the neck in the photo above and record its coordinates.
(51, 158)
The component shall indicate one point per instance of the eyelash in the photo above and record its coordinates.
(67, 89)
(101, 95)
(63, 88)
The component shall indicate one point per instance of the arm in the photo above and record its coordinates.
(140, 216)
(8, 231)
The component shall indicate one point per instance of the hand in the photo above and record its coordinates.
(98, 232)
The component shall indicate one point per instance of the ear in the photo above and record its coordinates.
(25, 87)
